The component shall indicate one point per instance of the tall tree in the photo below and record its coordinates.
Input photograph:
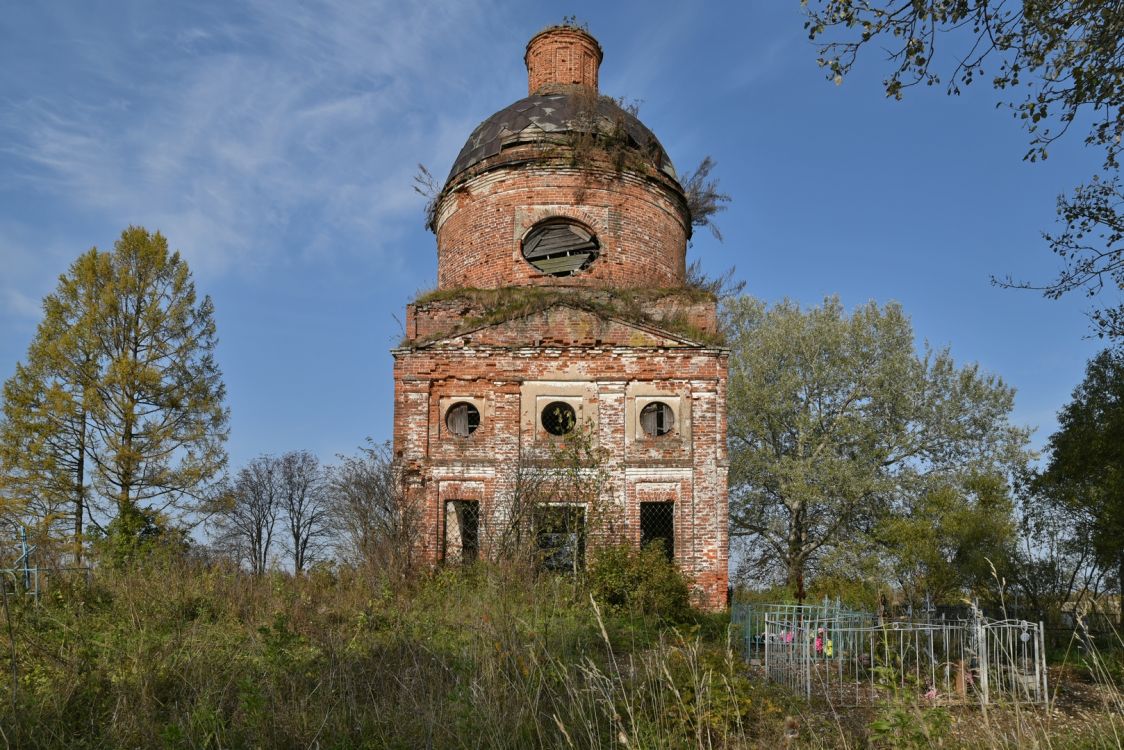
(1068, 58)
(45, 429)
(304, 505)
(121, 392)
(247, 513)
(835, 420)
(1086, 467)
(157, 409)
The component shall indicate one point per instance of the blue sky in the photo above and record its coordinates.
(274, 143)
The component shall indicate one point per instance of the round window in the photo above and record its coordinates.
(558, 247)
(657, 419)
(462, 419)
(559, 418)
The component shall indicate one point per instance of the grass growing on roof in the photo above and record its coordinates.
(632, 305)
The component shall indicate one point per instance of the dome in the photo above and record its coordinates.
(564, 187)
(552, 116)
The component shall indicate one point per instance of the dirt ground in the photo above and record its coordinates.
(1081, 713)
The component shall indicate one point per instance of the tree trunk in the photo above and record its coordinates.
(794, 578)
(125, 462)
(80, 490)
(298, 549)
(795, 557)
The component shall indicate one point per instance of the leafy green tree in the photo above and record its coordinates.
(1055, 63)
(120, 397)
(1086, 467)
(950, 540)
(834, 421)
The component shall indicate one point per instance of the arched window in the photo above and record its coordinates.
(560, 247)
(462, 419)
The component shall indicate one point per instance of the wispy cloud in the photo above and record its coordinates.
(19, 304)
(269, 132)
(29, 266)
(769, 60)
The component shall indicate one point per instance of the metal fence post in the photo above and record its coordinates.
(1045, 668)
(981, 656)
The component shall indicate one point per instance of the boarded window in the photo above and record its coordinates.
(462, 531)
(560, 248)
(462, 419)
(559, 418)
(560, 537)
(657, 419)
(657, 526)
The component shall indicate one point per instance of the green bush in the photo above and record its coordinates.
(136, 535)
(903, 725)
(642, 582)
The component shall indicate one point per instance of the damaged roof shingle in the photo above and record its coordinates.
(531, 119)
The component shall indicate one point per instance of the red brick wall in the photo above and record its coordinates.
(640, 222)
(689, 468)
(562, 55)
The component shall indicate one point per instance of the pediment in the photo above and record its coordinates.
(563, 324)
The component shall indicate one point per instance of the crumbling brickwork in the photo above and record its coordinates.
(562, 55)
(638, 219)
(618, 346)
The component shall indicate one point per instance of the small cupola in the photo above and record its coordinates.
(562, 56)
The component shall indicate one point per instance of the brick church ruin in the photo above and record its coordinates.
(563, 348)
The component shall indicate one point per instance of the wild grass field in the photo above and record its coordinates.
(177, 652)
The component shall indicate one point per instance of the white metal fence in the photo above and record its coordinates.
(853, 662)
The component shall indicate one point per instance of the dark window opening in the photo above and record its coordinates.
(560, 248)
(462, 419)
(559, 418)
(462, 531)
(657, 419)
(560, 537)
(657, 526)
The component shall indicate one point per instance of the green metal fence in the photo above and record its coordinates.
(749, 621)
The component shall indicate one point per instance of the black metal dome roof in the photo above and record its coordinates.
(548, 115)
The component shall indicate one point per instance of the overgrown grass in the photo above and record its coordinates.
(179, 653)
